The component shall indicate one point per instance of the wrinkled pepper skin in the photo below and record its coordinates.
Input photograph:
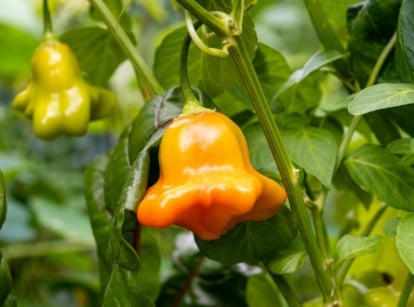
(58, 100)
(207, 183)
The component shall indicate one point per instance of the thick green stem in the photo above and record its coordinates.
(406, 290)
(148, 84)
(47, 19)
(242, 60)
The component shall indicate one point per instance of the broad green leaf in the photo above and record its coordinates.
(405, 237)
(18, 48)
(288, 260)
(313, 149)
(262, 292)
(167, 59)
(271, 68)
(381, 96)
(405, 42)
(316, 62)
(351, 246)
(371, 24)
(7, 299)
(3, 204)
(381, 173)
(252, 242)
(97, 52)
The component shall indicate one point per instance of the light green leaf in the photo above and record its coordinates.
(317, 61)
(382, 96)
(402, 146)
(314, 149)
(381, 173)
(288, 260)
(405, 239)
(351, 246)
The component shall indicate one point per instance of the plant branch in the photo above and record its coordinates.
(47, 19)
(406, 291)
(148, 84)
(285, 289)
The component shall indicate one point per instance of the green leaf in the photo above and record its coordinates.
(262, 292)
(402, 146)
(252, 242)
(288, 260)
(381, 96)
(351, 246)
(405, 42)
(404, 240)
(3, 203)
(316, 62)
(371, 24)
(98, 53)
(380, 172)
(313, 149)
(167, 59)
(15, 58)
(67, 221)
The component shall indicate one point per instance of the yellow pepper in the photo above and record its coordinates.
(58, 99)
(207, 183)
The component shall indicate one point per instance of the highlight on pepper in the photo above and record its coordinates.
(207, 183)
(57, 99)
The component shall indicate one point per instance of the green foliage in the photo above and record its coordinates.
(351, 143)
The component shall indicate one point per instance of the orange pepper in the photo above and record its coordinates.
(207, 183)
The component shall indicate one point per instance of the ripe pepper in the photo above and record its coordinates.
(58, 99)
(207, 183)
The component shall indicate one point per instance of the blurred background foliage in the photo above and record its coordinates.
(46, 239)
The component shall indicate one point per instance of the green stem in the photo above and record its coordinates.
(285, 289)
(148, 84)
(406, 291)
(38, 249)
(186, 89)
(47, 19)
(242, 60)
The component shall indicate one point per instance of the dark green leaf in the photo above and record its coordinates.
(314, 149)
(405, 237)
(167, 59)
(405, 42)
(316, 62)
(262, 292)
(351, 246)
(18, 48)
(371, 24)
(381, 96)
(98, 53)
(381, 173)
(3, 204)
(252, 242)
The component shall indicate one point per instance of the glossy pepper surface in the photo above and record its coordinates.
(58, 99)
(207, 183)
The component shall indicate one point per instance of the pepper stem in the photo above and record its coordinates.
(47, 19)
(192, 104)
